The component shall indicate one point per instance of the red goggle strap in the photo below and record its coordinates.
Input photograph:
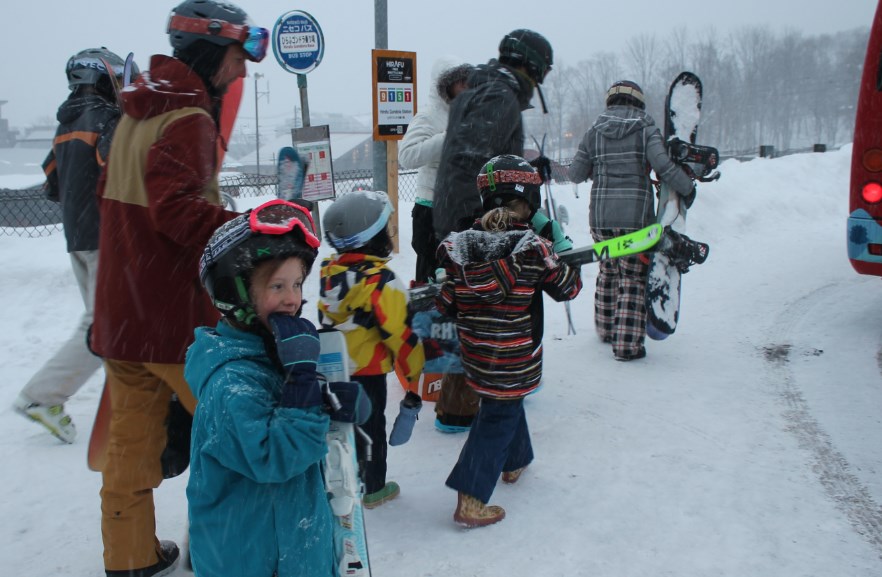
(209, 27)
(509, 177)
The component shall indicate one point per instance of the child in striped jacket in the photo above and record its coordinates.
(496, 274)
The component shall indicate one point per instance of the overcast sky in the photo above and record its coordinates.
(41, 36)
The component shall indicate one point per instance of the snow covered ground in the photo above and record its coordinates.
(745, 445)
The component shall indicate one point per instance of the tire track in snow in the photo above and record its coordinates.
(833, 470)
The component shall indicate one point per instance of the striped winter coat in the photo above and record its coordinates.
(493, 289)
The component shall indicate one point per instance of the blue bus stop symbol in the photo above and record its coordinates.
(298, 42)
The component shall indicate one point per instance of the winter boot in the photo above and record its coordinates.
(168, 553)
(52, 417)
(406, 419)
(447, 423)
(511, 477)
(389, 491)
(470, 512)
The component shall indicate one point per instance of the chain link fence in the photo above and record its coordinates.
(28, 213)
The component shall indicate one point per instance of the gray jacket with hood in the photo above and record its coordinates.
(617, 153)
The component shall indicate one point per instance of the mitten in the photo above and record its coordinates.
(407, 417)
(297, 345)
(551, 230)
(542, 164)
(349, 404)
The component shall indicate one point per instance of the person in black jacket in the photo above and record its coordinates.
(484, 122)
(87, 119)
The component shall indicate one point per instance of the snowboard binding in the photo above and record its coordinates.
(682, 250)
(699, 162)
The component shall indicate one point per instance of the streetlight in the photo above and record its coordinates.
(257, 75)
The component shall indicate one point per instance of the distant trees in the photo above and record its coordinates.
(760, 87)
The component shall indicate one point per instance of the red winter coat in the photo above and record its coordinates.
(159, 205)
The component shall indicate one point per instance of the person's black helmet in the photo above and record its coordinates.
(218, 23)
(275, 229)
(625, 92)
(506, 177)
(88, 66)
(528, 49)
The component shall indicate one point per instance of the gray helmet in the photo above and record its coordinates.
(355, 218)
(87, 66)
(528, 49)
(185, 28)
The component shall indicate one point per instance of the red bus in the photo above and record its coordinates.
(865, 194)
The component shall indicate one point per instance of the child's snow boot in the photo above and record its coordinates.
(511, 477)
(389, 491)
(406, 419)
(470, 512)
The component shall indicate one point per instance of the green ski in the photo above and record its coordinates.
(625, 245)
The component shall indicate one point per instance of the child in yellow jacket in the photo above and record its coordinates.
(363, 298)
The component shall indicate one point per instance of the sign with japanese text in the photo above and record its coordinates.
(298, 42)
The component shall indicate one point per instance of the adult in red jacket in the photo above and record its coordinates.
(159, 204)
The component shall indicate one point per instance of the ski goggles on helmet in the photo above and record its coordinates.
(254, 40)
(281, 217)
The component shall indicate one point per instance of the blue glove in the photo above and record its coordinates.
(297, 345)
(349, 404)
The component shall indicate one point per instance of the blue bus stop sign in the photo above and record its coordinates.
(298, 42)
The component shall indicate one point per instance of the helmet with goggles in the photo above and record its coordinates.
(219, 23)
(528, 49)
(274, 230)
(88, 67)
(358, 218)
(507, 177)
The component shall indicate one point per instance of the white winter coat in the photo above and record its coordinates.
(424, 139)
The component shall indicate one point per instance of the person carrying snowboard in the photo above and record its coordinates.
(259, 430)
(617, 153)
(497, 273)
(159, 203)
(362, 297)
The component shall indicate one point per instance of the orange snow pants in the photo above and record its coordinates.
(139, 397)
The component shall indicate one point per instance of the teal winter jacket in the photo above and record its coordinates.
(256, 496)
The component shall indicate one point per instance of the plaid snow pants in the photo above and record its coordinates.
(620, 298)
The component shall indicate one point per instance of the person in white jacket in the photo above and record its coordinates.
(421, 149)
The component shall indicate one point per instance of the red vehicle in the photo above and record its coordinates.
(865, 194)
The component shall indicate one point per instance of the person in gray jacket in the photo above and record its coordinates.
(421, 149)
(617, 153)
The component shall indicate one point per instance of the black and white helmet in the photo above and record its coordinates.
(355, 218)
(88, 66)
(506, 177)
(528, 49)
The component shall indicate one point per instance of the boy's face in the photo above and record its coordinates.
(277, 288)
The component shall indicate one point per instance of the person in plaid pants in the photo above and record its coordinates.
(617, 153)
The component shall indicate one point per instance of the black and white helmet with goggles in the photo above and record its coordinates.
(507, 177)
(220, 23)
(275, 229)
